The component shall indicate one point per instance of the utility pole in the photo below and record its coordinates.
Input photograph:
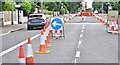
(12, 13)
(42, 6)
(102, 7)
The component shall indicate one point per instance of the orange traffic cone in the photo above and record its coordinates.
(116, 28)
(21, 55)
(82, 18)
(29, 55)
(46, 41)
(112, 27)
(42, 44)
(106, 21)
(64, 21)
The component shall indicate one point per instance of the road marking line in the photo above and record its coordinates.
(83, 25)
(75, 60)
(80, 42)
(82, 31)
(16, 46)
(83, 28)
(81, 35)
(77, 54)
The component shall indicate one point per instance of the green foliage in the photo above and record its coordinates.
(49, 12)
(97, 5)
(63, 10)
(26, 6)
(50, 6)
(33, 6)
(7, 6)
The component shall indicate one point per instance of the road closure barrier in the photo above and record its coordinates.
(110, 21)
(57, 28)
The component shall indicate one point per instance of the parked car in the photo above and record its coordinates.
(36, 23)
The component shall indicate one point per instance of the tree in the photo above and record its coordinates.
(97, 5)
(7, 6)
(26, 6)
(33, 6)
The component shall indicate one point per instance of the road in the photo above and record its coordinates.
(85, 42)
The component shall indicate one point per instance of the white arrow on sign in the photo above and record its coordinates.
(54, 23)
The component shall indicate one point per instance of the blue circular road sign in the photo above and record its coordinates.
(56, 24)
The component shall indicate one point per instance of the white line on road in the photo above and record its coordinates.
(81, 35)
(77, 54)
(83, 25)
(75, 60)
(16, 46)
(78, 46)
(80, 42)
(82, 30)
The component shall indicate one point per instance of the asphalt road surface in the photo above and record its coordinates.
(85, 42)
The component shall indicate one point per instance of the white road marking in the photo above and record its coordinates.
(81, 35)
(75, 60)
(80, 42)
(16, 46)
(77, 54)
(82, 30)
(83, 25)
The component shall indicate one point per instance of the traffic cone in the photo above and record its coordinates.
(48, 38)
(112, 27)
(106, 21)
(29, 55)
(42, 48)
(108, 25)
(64, 21)
(46, 41)
(116, 28)
(21, 55)
(83, 18)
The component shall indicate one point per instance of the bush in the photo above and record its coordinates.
(49, 12)
(63, 10)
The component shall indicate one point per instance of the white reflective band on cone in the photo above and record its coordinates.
(21, 60)
(45, 36)
(29, 51)
(42, 40)
(112, 23)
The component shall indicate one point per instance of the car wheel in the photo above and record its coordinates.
(28, 28)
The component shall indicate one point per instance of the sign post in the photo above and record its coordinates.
(57, 27)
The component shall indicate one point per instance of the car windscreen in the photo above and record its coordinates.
(35, 16)
(36, 20)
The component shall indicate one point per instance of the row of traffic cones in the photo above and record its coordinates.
(29, 60)
(44, 39)
(113, 25)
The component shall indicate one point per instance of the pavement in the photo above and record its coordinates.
(11, 28)
(85, 42)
